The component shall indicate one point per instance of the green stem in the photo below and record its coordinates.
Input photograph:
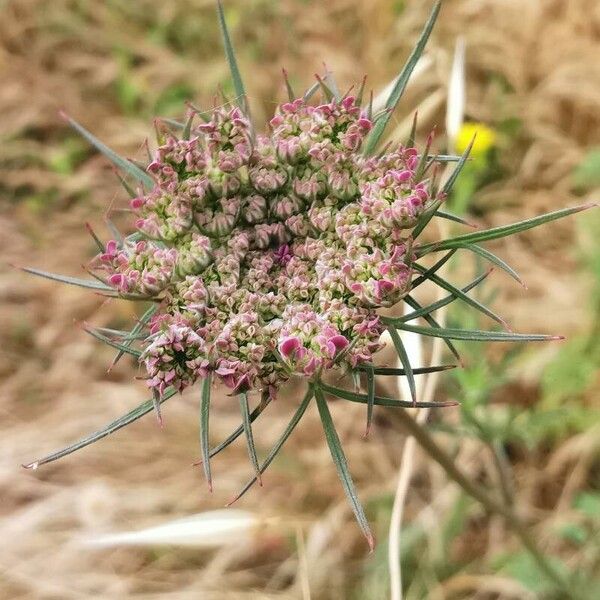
(424, 439)
(503, 469)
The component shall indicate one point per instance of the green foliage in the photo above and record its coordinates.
(402, 81)
(587, 174)
(524, 569)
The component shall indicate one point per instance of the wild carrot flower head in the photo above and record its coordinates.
(269, 255)
(266, 234)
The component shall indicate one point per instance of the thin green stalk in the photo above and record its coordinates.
(424, 439)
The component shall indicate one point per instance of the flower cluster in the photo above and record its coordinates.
(269, 255)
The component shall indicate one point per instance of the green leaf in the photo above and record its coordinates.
(370, 397)
(422, 311)
(121, 347)
(332, 85)
(97, 240)
(431, 270)
(459, 167)
(130, 191)
(204, 419)
(280, 442)
(361, 91)
(288, 86)
(311, 91)
(327, 91)
(123, 421)
(187, 130)
(405, 361)
(402, 81)
(84, 283)
(430, 212)
(475, 335)
(382, 400)
(248, 432)
(237, 432)
(125, 165)
(429, 318)
(494, 260)
(137, 328)
(238, 84)
(452, 217)
(339, 459)
(500, 232)
(156, 406)
(410, 142)
(443, 158)
(462, 296)
(401, 372)
(121, 334)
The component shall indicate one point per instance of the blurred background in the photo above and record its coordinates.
(533, 79)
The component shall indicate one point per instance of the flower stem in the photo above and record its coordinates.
(425, 440)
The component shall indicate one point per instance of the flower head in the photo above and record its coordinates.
(271, 248)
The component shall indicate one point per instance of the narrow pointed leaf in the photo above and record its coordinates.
(327, 92)
(84, 283)
(123, 421)
(393, 371)
(187, 130)
(248, 432)
(444, 158)
(499, 232)
(402, 80)
(156, 406)
(405, 361)
(311, 91)
(462, 296)
(288, 86)
(361, 91)
(382, 400)
(115, 231)
(430, 212)
(475, 335)
(339, 459)
(484, 253)
(172, 122)
(410, 142)
(237, 432)
(280, 442)
(429, 318)
(204, 419)
(96, 239)
(426, 310)
(130, 191)
(431, 270)
(114, 344)
(121, 334)
(122, 163)
(459, 167)
(332, 85)
(238, 84)
(444, 214)
(137, 328)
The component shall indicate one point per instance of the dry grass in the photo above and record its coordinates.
(111, 64)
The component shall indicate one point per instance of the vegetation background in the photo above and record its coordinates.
(533, 77)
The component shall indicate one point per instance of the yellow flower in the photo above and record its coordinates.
(486, 138)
